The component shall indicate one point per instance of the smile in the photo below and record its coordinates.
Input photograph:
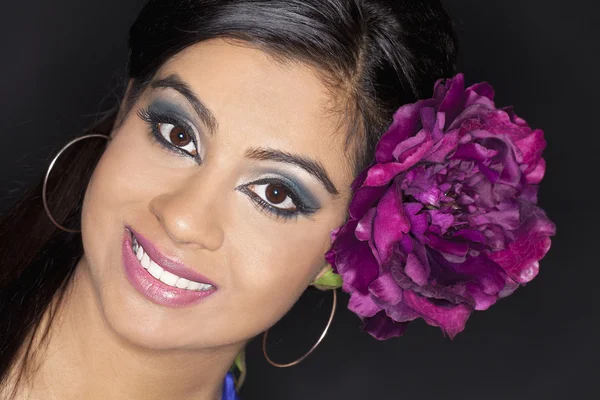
(162, 279)
(165, 276)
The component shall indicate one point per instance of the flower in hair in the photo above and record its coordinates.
(444, 221)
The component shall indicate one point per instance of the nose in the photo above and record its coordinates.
(189, 214)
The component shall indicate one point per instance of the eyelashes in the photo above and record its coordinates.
(271, 195)
(275, 191)
(181, 136)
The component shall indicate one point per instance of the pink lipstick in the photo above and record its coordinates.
(161, 279)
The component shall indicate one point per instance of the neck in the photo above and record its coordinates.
(85, 358)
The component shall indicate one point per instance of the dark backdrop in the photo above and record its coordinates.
(62, 61)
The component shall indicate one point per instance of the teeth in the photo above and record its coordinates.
(155, 270)
(145, 261)
(169, 278)
(182, 283)
(165, 276)
(140, 253)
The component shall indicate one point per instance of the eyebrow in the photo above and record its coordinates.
(175, 82)
(311, 166)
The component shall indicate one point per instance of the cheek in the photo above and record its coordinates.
(121, 186)
(126, 177)
(274, 262)
(114, 181)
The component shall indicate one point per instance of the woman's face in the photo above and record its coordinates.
(234, 171)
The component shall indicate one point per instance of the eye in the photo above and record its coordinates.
(171, 132)
(178, 136)
(275, 195)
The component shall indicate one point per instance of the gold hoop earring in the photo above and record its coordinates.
(264, 344)
(44, 199)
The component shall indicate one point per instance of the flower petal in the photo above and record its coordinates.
(415, 270)
(483, 89)
(410, 146)
(451, 319)
(390, 223)
(382, 328)
(418, 222)
(364, 229)
(364, 199)
(382, 174)
(454, 99)
(363, 305)
(532, 241)
(442, 148)
(386, 289)
(348, 254)
(535, 176)
(407, 121)
(457, 248)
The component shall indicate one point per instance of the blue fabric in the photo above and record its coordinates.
(229, 388)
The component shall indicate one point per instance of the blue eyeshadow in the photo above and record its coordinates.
(304, 194)
(162, 106)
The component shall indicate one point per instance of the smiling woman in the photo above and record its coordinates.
(228, 164)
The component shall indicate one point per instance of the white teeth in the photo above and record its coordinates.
(165, 276)
(145, 261)
(155, 270)
(169, 278)
(140, 253)
(182, 283)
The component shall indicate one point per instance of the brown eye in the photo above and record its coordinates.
(179, 137)
(275, 194)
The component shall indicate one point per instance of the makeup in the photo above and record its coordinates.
(304, 204)
(161, 279)
(301, 193)
(162, 111)
(303, 198)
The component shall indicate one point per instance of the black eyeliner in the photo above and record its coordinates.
(301, 206)
(298, 199)
(153, 117)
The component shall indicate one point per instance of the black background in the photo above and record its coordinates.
(62, 61)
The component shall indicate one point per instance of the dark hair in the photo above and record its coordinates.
(379, 53)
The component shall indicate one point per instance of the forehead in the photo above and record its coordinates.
(267, 103)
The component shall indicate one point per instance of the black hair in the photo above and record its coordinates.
(379, 55)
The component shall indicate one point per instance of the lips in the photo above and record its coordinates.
(161, 274)
(161, 279)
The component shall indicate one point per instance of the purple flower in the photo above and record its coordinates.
(444, 220)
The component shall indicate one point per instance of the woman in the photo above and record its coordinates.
(234, 151)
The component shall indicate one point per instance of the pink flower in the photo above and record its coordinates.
(444, 221)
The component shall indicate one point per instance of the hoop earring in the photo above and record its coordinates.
(44, 199)
(264, 344)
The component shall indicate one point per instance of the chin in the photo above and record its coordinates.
(143, 324)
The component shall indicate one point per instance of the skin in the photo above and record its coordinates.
(109, 341)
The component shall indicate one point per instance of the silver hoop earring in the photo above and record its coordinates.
(295, 362)
(44, 199)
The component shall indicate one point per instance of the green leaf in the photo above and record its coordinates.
(240, 364)
(240, 361)
(329, 280)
